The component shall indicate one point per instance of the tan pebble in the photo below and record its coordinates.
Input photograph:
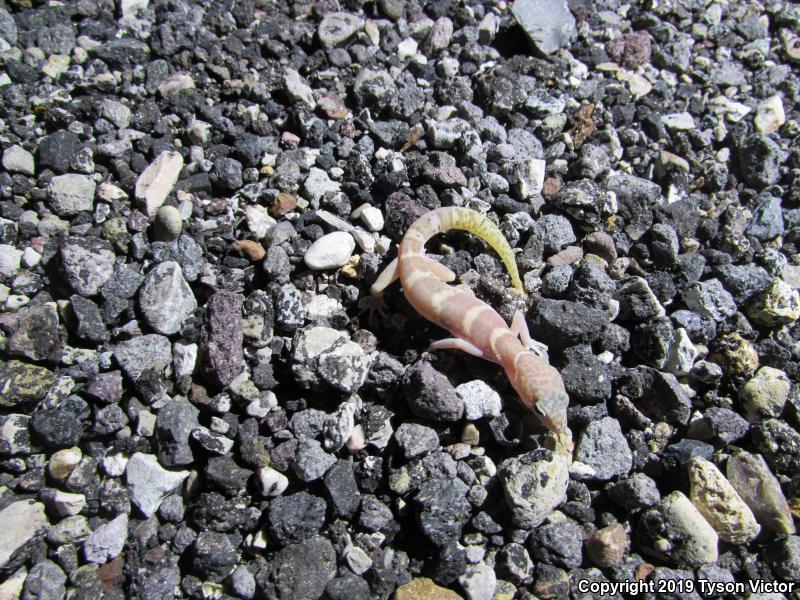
(424, 589)
(759, 488)
(334, 107)
(551, 187)
(252, 250)
(720, 504)
(168, 225)
(765, 395)
(608, 546)
(470, 435)
(284, 203)
(63, 461)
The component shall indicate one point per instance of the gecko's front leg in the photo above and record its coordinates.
(519, 327)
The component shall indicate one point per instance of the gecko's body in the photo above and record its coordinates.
(476, 326)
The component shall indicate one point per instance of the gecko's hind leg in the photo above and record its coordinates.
(519, 327)
(374, 303)
(442, 273)
(456, 344)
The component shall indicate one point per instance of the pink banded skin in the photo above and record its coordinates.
(476, 327)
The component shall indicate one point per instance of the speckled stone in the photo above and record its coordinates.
(718, 502)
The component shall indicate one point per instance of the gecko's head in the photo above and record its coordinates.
(541, 389)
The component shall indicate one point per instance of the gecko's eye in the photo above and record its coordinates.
(539, 410)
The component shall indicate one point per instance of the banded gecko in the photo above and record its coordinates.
(476, 326)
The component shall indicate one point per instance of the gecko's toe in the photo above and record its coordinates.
(375, 306)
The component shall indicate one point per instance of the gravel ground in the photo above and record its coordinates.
(195, 197)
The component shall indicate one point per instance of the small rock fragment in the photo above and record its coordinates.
(107, 541)
(157, 180)
(71, 194)
(764, 396)
(337, 28)
(166, 299)
(770, 115)
(18, 160)
(88, 263)
(759, 488)
(549, 25)
(534, 484)
(675, 531)
(330, 251)
(168, 225)
(149, 483)
(718, 502)
(603, 447)
(778, 305)
(20, 522)
(608, 546)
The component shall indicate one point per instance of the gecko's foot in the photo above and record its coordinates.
(538, 348)
(375, 306)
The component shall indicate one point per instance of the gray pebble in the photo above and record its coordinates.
(168, 224)
(166, 299)
(311, 461)
(107, 541)
(337, 28)
(479, 400)
(149, 483)
(415, 440)
(604, 448)
(534, 484)
(88, 263)
(18, 160)
(549, 25)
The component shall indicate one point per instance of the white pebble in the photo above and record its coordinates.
(682, 121)
(9, 260)
(372, 218)
(18, 160)
(479, 400)
(273, 483)
(30, 258)
(330, 251)
(770, 115)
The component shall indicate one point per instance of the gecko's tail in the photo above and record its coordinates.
(445, 219)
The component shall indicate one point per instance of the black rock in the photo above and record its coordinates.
(59, 427)
(174, 425)
(109, 419)
(227, 174)
(587, 379)
(767, 223)
(743, 281)
(557, 544)
(296, 518)
(430, 395)
(376, 516)
(760, 159)
(57, 150)
(779, 444)
(299, 570)
(442, 510)
(591, 285)
(226, 475)
(214, 555)
(561, 323)
(347, 587)
(88, 320)
(45, 581)
(340, 483)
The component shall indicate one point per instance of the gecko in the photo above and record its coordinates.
(476, 327)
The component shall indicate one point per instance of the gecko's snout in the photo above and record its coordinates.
(541, 389)
(552, 411)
